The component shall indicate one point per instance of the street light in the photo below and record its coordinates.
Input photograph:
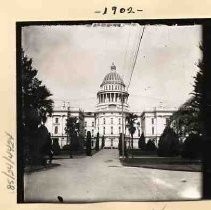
(123, 143)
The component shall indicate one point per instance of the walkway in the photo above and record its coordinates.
(103, 178)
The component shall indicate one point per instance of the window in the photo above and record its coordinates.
(104, 121)
(119, 129)
(103, 130)
(56, 129)
(85, 124)
(112, 87)
(152, 120)
(111, 129)
(111, 120)
(109, 87)
(119, 120)
(56, 120)
(153, 130)
(93, 124)
(92, 132)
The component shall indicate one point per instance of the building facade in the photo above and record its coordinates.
(154, 121)
(109, 118)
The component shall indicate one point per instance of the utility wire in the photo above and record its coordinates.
(135, 46)
(135, 58)
(126, 52)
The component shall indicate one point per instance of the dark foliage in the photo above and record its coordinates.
(56, 148)
(88, 144)
(36, 105)
(36, 102)
(72, 131)
(150, 146)
(169, 143)
(66, 147)
(97, 143)
(103, 142)
(141, 142)
(131, 121)
(192, 147)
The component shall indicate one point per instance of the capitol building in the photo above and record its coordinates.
(109, 118)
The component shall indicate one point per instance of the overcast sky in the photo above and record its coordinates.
(73, 60)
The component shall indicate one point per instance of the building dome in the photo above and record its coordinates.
(112, 77)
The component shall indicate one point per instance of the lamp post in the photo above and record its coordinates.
(123, 143)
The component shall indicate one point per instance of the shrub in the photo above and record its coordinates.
(66, 147)
(56, 147)
(88, 144)
(192, 146)
(150, 146)
(75, 142)
(168, 145)
(141, 142)
(103, 142)
(97, 143)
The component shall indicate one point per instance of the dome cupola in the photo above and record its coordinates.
(112, 94)
(112, 77)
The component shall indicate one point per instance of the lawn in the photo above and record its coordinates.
(151, 160)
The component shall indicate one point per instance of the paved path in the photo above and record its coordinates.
(103, 178)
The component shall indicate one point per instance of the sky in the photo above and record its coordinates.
(73, 60)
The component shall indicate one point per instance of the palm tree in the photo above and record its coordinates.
(131, 121)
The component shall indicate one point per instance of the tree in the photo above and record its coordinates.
(36, 106)
(72, 131)
(97, 142)
(88, 144)
(186, 119)
(192, 147)
(141, 142)
(36, 102)
(169, 143)
(55, 147)
(103, 142)
(131, 121)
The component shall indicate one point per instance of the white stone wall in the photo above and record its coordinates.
(153, 123)
(89, 125)
(57, 122)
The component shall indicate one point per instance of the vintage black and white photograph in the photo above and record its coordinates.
(110, 111)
